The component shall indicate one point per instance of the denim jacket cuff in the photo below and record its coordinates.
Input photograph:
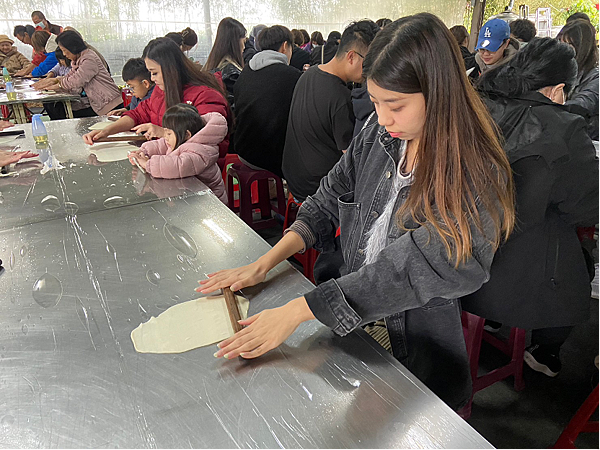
(304, 231)
(328, 303)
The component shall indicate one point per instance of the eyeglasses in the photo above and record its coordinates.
(356, 53)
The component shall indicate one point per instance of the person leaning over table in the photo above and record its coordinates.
(87, 73)
(423, 198)
(178, 80)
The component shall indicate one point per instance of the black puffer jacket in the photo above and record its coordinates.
(585, 95)
(539, 277)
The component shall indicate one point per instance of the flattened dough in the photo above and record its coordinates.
(101, 125)
(112, 151)
(187, 326)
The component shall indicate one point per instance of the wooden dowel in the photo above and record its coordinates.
(232, 308)
(136, 137)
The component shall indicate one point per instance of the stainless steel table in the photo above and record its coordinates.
(26, 94)
(70, 377)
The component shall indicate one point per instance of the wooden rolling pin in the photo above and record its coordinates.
(232, 308)
(136, 137)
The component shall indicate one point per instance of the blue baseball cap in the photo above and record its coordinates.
(492, 35)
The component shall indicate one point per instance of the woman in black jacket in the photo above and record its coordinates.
(538, 278)
(582, 36)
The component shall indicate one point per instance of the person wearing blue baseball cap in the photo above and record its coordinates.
(493, 45)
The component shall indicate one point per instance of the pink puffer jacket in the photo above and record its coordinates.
(197, 156)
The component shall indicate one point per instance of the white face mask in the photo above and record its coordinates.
(41, 24)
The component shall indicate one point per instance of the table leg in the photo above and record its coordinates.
(19, 111)
(67, 104)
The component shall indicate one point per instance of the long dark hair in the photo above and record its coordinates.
(177, 70)
(543, 62)
(460, 167)
(227, 44)
(182, 118)
(581, 34)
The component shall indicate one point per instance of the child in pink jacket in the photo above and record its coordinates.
(190, 147)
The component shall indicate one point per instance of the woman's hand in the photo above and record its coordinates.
(237, 279)
(22, 72)
(4, 124)
(45, 83)
(94, 135)
(117, 112)
(149, 130)
(7, 158)
(265, 330)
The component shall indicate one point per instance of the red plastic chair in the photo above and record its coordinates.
(126, 95)
(515, 348)
(246, 177)
(308, 258)
(580, 423)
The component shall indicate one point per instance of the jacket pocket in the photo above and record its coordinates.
(349, 215)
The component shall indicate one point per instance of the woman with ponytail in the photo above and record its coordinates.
(423, 197)
(538, 278)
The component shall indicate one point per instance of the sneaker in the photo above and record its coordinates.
(492, 327)
(541, 360)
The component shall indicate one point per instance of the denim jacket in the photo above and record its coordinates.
(412, 283)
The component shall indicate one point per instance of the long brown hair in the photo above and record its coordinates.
(177, 70)
(461, 168)
(227, 44)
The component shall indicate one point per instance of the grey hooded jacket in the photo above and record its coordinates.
(412, 283)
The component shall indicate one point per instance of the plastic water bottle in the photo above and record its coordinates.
(10, 91)
(40, 135)
(6, 75)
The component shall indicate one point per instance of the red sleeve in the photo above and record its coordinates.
(209, 100)
(38, 58)
(141, 113)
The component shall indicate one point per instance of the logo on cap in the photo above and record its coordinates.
(488, 33)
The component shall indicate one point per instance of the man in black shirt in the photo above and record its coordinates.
(263, 94)
(321, 120)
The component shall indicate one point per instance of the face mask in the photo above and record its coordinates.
(42, 25)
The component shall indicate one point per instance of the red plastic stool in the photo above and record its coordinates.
(308, 258)
(246, 178)
(230, 159)
(515, 348)
(580, 423)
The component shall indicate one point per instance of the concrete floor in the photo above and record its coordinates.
(536, 416)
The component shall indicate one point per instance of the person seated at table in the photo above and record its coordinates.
(91, 47)
(50, 47)
(42, 24)
(23, 33)
(189, 148)
(87, 73)
(539, 280)
(263, 94)
(80, 107)
(226, 55)
(38, 42)
(10, 57)
(423, 198)
(178, 80)
(138, 78)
